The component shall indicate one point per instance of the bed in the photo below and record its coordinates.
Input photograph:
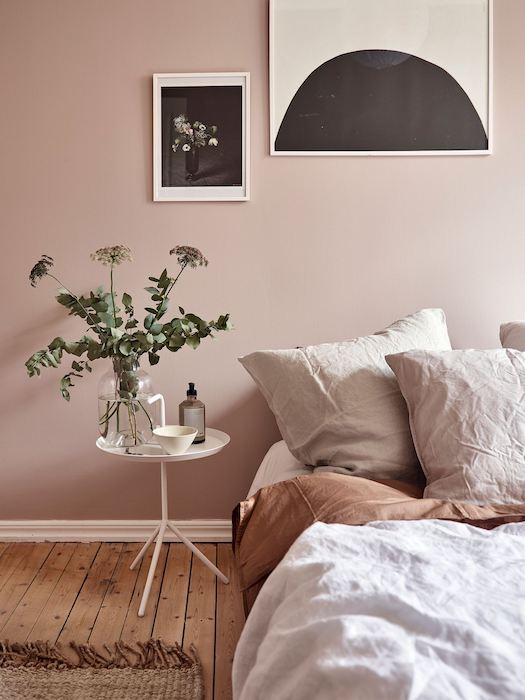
(354, 583)
(393, 566)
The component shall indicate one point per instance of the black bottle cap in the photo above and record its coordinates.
(192, 391)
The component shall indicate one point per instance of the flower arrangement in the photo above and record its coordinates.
(123, 411)
(196, 135)
(116, 335)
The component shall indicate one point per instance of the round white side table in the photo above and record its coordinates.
(215, 441)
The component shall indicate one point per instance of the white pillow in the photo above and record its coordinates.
(467, 415)
(278, 464)
(512, 335)
(338, 404)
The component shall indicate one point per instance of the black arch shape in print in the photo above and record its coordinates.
(380, 100)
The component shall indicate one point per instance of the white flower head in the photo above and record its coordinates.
(202, 127)
(186, 147)
(213, 142)
(112, 255)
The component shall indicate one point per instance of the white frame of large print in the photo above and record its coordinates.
(381, 77)
(222, 101)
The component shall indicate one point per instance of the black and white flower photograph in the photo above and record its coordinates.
(200, 137)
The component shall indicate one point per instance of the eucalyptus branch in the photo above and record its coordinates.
(116, 339)
(168, 292)
(93, 321)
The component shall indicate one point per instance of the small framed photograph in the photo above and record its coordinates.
(201, 124)
(381, 78)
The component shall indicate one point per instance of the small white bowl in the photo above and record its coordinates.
(175, 439)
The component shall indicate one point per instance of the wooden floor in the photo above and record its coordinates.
(86, 593)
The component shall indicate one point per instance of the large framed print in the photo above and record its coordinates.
(201, 124)
(381, 77)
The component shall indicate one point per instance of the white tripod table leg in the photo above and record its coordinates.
(151, 572)
(197, 552)
(144, 549)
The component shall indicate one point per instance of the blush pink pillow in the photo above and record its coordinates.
(467, 418)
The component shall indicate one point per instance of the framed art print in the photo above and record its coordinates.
(381, 77)
(201, 137)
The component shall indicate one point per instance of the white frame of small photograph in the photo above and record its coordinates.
(276, 120)
(195, 193)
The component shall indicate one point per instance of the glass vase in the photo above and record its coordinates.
(125, 418)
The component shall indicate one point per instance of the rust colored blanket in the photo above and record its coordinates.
(266, 525)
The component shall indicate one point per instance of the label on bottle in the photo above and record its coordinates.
(194, 417)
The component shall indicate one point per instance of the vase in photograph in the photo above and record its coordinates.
(192, 163)
(125, 418)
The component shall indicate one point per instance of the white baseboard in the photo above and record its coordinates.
(109, 530)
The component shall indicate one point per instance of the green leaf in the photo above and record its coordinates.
(193, 341)
(148, 321)
(95, 351)
(100, 306)
(65, 393)
(160, 338)
(117, 333)
(151, 310)
(164, 281)
(127, 300)
(141, 340)
(176, 342)
(107, 319)
(125, 347)
(149, 339)
(153, 359)
(181, 310)
(151, 290)
(153, 279)
(56, 343)
(132, 323)
(75, 348)
(156, 328)
(51, 359)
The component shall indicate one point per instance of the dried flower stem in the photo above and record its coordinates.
(112, 295)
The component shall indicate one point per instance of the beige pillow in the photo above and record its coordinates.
(467, 416)
(338, 404)
(512, 335)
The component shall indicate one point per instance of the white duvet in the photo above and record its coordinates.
(430, 610)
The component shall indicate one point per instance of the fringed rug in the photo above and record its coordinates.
(152, 671)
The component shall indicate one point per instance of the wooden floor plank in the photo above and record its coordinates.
(3, 547)
(21, 578)
(82, 617)
(229, 623)
(140, 628)
(171, 610)
(200, 614)
(23, 617)
(112, 614)
(13, 556)
(54, 614)
(86, 592)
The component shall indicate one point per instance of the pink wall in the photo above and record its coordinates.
(328, 247)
